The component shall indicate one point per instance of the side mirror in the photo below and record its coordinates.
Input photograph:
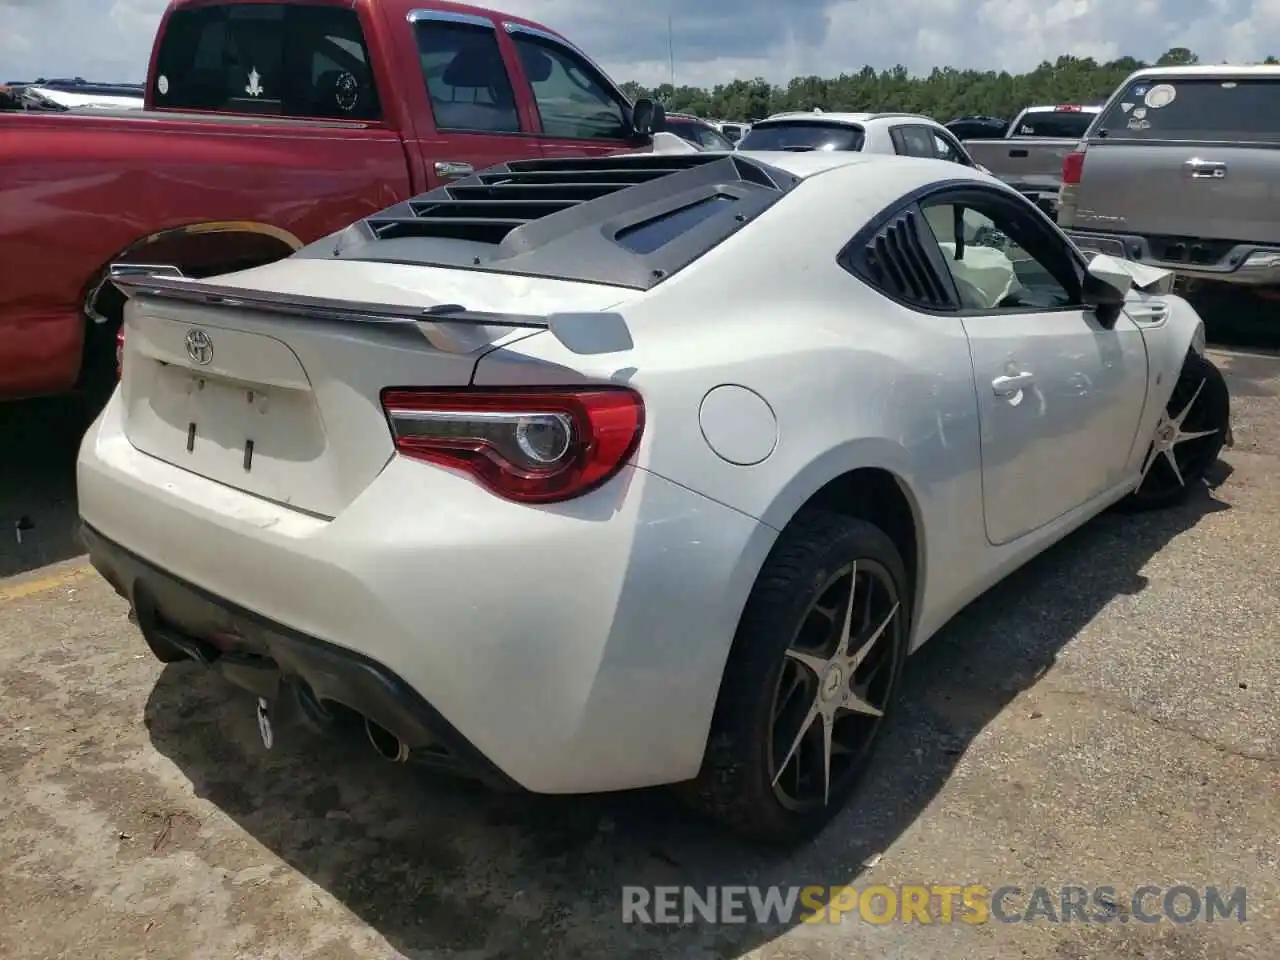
(1106, 285)
(647, 117)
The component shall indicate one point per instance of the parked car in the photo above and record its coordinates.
(1179, 172)
(591, 474)
(80, 93)
(978, 128)
(733, 130)
(1029, 157)
(266, 126)
(897, 133)
(697, 131)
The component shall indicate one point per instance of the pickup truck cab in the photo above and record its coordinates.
(266, 126)
(1030, 154)
(1179, 172)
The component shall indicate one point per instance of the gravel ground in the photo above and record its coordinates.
(1109, 716)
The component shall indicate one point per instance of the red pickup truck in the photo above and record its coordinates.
(268, 124)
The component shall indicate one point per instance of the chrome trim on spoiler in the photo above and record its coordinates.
(316, 308)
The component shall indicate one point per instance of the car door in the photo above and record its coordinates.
(580, 111)
(472, 115)
(1060, 394)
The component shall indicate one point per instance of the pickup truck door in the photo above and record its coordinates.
(467, 114)
(579, 110)
(1060, 396)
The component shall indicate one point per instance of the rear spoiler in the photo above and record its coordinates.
(445, 325)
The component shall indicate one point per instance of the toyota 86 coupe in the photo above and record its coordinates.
(581, 475)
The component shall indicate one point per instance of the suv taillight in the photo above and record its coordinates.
(119, 351)
(526, 444)
(1073, 166)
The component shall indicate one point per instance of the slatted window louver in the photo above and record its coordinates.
(489, 205)
(896, 262)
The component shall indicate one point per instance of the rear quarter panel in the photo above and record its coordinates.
(75, 191)
(851, 380)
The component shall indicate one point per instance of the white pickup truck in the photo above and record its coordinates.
(1029, 156)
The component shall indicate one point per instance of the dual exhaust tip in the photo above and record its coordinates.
(387, 744)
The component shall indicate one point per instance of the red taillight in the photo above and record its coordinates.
(530, 445)
(1073, 167)
(1067, 108)
(119, 352)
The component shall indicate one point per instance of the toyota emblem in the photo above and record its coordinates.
(199, 347)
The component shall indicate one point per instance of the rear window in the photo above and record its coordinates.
(803, 135)
(1059, 124)
(292, 60)
(657, 233)
(1198, 109)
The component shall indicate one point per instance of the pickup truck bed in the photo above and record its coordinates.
(238, 164)
(1030, 156)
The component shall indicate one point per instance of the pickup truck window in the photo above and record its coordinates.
(293, 60)
(466, 77)
(1053, 124)
(572, 101)
(1219, 109)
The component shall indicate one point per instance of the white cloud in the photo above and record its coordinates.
(718, 40)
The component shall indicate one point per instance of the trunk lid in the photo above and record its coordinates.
(288, 408)
(1186, 158)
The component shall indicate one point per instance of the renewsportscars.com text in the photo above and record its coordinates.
(940, 903)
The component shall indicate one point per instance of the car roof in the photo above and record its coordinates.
(1210, 70)
(845, 117)
(808, 163)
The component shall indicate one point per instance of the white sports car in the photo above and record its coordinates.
(590, 474)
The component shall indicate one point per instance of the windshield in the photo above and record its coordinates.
(1221, 109)
(1059, 124)
(803, 135)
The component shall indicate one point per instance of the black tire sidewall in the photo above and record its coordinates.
(735, 785)
(1195, 366)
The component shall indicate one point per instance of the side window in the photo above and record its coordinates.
(909, 141)
(466, 77)
(293, 60)
(944, 148)
(572, 100)
(1002, 259)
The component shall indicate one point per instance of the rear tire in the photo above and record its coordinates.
(1199, 413)
(763, 773)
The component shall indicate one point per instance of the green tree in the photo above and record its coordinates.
(944, 93)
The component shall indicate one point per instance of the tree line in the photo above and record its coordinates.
(944, 94)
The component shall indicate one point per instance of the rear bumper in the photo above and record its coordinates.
(267, 658)
(572, 648)
(1246, 264)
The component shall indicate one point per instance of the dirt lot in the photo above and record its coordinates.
(1109, 716)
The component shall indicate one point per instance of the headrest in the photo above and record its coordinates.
(474, 66)
(537, 65)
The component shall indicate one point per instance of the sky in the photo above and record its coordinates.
(719, 40)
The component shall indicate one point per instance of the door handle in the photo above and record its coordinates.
(1010, 386)
(453, 169)
(1019, 153)
(1206, 169)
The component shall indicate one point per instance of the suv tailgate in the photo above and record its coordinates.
(288, 408)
